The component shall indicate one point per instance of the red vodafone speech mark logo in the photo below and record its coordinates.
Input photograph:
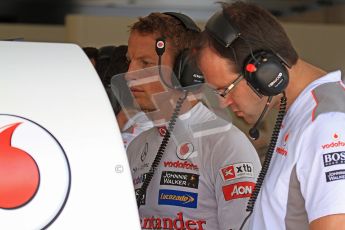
(35, 174)
(19, 173)
(160, 44)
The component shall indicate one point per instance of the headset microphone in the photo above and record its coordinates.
(254, 131)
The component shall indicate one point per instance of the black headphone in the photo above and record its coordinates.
(103, 62)
(186, 71)
(108, 64)
(264, 70)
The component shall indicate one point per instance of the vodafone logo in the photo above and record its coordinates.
(238, 190)
(160, 44)
(162, 131)
(19, 173)
(34, 174)
(184, 150)
(335, 137)
(334, 144)
(181, 165)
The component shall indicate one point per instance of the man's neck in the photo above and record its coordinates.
(300, 76)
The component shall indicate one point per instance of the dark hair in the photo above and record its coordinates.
(111, 60)
(259, 30)
(163, 25)
(91, 52)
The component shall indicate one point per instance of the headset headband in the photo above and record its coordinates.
(220, 29)
(187, 22)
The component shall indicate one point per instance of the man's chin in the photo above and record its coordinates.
(149, 108)
(246, 119)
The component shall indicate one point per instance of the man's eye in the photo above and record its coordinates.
(147, 63)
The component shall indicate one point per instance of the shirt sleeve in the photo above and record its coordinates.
(321, 167)
(235, 166)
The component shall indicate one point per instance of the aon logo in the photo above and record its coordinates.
(238, 190)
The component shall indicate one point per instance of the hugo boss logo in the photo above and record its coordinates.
(35, 174)
(334, 158)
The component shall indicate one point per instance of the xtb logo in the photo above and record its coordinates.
(239, 170)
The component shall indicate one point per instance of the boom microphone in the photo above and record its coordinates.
(254, 131)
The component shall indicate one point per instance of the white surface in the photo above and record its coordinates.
(56, 87)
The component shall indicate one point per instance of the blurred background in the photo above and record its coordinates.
(316, 28)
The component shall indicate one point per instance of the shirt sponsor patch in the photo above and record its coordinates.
(335, 143)
(141, 167)
(139, 179)
(178, 222)
(335, 175)
(184, 150)
(144, 152)
(334, 158)
(180, 179)
(281, 151)
(180, 165)
(177, 198)
(162, 131)
(238, 190)
(235, 171)
(142, 200)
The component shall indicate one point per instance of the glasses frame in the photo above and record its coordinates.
(230, 87)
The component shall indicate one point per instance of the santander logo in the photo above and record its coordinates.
(335, 143)
(35, 174)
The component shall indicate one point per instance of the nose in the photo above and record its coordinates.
(225, 102)
(133, 66)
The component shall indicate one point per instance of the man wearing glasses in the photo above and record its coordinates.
(248, 58)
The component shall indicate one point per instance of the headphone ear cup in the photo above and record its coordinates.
(266, 73)
(186, 71)
(103, 62)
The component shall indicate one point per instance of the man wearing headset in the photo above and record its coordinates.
(248, 58)
(205, 176)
